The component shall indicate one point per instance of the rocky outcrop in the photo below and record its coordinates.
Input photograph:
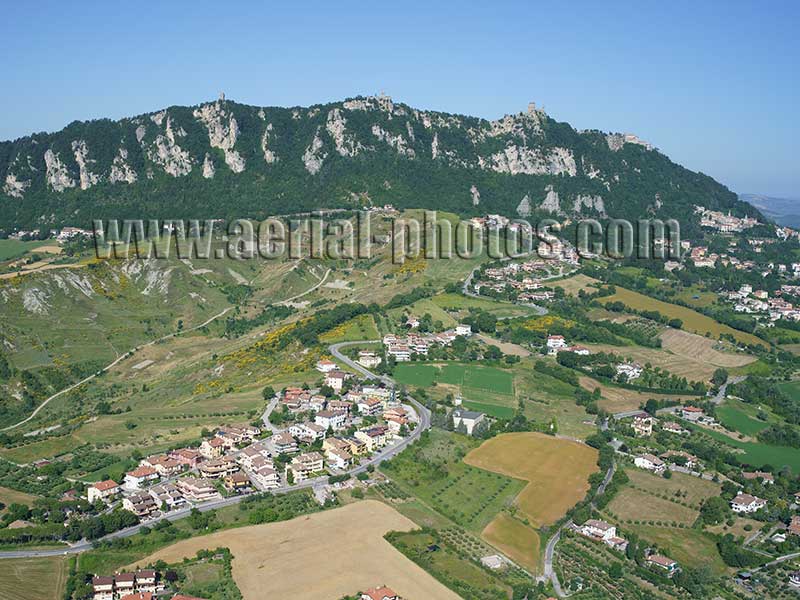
(121, 171)
(313, 156)
(551, 201)
(14, 187)
(476, 195)
(208, 167)
(435, 146)
(345, 144)
(269, 155)
(58, 177)
(517, 160)
(166, 152)
(594, 203)
(398, 142)
(87, 178)
(524, 207)
(223, 131)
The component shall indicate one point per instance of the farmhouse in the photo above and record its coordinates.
(673, 427)
(463, 329)
(794, 526)
(555, 343)
(746, 503)
(650, 462)
(599, 530)
(380, 593)
(469, 418)
(662, 562)
(643, 425)
(102, 490)
(680, 457)
(630, 371)
(764, 476)
(691, 413)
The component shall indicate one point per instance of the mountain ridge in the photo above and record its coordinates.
(223, 159)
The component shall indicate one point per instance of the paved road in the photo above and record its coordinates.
(113, 364)
(549, 551)
(723, 390)
(386, 453)
(540, 310)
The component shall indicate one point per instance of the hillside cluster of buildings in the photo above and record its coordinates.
(759, 303)
(403, 348)
(725, 223)
(323, 435)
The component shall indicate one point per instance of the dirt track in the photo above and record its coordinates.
(324, 555)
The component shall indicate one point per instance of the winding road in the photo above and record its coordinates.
(113, 364)
(386, 453)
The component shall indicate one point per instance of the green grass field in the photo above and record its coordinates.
(470, 377)
(758, 455)
(689, 547)
(741, 417)
(10, 249)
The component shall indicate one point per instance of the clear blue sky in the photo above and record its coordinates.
(713, 84)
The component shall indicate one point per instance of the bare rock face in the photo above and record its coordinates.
(168, 154)
(141, 130)
(398, 142)
(435, 146)
(313, 157)
(476, 195)
(551, 201)
(222, 132)
(87, 178)
(531, 161)
(58, 177)
(589, 202)
(14, 187)
(208, 167)
(121, 170)
(524, 207)
(269, 155)
(346, 145)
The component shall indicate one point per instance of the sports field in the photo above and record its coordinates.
(556, 470)
(515, 539)
(32, 578)
(323, 555)
(692, 320)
